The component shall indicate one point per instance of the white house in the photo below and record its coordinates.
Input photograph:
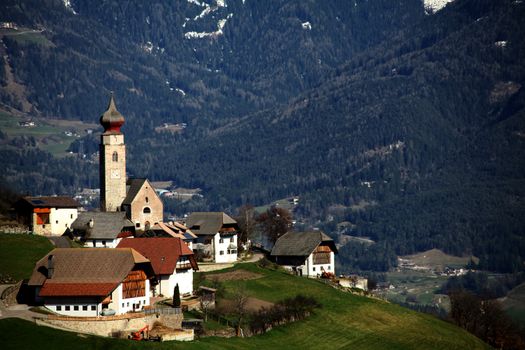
(102, 229)
(216, 235)
(48, 216)
(92, 282)
(305, 253)
(172, 261)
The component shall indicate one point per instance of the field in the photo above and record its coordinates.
(19, 253)
(27, 36)
(52, 135)
(344, 321)
(437, 259)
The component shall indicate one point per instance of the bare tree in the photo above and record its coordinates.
(240, 301)
(275, 222)
(247, 223)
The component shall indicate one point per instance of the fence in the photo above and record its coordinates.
(164, 311)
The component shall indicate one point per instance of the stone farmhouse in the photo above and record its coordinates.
(305, 253)
(216, 235)
(49, 216)
(172, 260)
(92, 282)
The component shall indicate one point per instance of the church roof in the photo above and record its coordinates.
(111, 119)
(106, 225)
(134, 186)
(301, 243)
(209, 223)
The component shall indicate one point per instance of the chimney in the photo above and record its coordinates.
(50, 266)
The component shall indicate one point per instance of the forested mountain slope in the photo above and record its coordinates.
(409, 128)
(427, 129)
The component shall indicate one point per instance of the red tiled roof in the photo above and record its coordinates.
(76, 289)
(162, 252)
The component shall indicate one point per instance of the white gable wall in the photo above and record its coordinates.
(221, 252)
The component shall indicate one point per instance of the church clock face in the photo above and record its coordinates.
(115, 174)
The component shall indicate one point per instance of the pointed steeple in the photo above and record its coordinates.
(112, 120)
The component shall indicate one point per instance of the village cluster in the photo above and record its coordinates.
(130, 255)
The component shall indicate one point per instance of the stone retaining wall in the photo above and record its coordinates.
(110, 327)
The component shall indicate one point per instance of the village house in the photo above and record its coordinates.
(216, 235)
(92, 282)
(305, 253)
(48, 216)
(102, 229)
(172, 260)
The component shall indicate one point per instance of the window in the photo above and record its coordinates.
(147, 210)
(71, 216)
(329, 267)
(75, 307)
(84, 307)
(137, 224)
(59, 307)
(221, 240)
(57, 221)
(67, 308)
(221, 252)
(115, 156)
(127, 304)
(123, 304)
(313, 269)
(232, 240)
(93, 307)
(147, 200)
(104, 243)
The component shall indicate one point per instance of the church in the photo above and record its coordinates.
(136, 197)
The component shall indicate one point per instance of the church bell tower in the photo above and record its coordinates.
(112, 160)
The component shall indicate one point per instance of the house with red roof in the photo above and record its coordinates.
(92, 282)
(172, 260)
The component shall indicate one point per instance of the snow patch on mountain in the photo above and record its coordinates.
(67, 4)
(433, 6)
(218, 32)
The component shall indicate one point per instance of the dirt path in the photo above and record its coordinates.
(19, 311)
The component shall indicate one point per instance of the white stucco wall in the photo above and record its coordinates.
(60, 219)
(121, 305)
(167, 283)
(61, 306)
(314, 270)
(219, 246)
(99, 243)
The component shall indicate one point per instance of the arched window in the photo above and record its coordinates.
(146, 210)
(115, 156)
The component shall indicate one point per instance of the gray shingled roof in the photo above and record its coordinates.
(106, 225)
(52, 202)
(133, 188)
(208, 223)
(301, 243)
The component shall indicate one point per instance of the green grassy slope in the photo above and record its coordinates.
(344, 321)
(19, 253)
